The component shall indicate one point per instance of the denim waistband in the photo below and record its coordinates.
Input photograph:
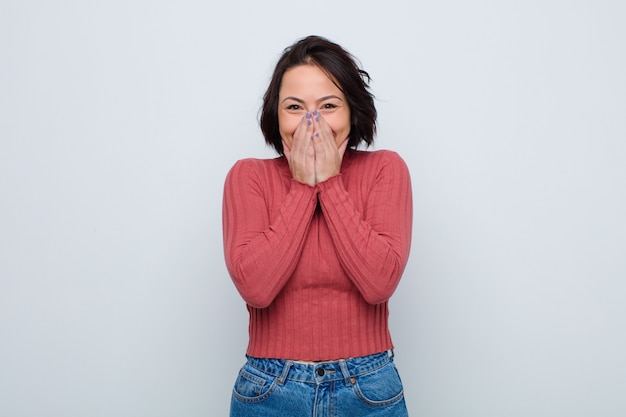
(318, 372)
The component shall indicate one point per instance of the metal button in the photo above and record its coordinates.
(321, 372)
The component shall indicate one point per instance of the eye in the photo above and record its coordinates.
(293, 107)
(329, 106)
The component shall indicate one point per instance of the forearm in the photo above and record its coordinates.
(261, 253)
(372, 249)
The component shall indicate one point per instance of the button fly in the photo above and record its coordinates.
(321, 372)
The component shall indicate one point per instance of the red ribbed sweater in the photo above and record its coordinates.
(317, 265)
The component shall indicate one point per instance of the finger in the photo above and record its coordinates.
(303, 132)
(301, 154)
(325, 132)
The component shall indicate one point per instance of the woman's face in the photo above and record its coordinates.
(306, 88)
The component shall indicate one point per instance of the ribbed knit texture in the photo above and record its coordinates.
(317, 265)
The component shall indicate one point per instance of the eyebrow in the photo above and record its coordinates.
(299, 100)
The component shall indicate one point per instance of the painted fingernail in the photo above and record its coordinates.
(317, 134)
(317, 119)
(308, 115)
(315, 113)
(309, 123)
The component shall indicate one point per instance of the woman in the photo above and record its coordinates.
(316, 241)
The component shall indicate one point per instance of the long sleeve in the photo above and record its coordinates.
(262, 246)
(372, 241)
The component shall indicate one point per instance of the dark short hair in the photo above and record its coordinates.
(343, 70)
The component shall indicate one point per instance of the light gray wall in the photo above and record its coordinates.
(120, 119)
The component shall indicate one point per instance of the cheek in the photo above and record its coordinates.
(287, 124)
(339, 124)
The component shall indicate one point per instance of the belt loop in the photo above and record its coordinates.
(283, 376)
(346, 373)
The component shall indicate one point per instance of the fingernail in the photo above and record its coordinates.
(315, 113)
(317, 119)
(317, 134)
(308, 123)
(308, 115)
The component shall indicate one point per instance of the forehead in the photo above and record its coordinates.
(307, 79)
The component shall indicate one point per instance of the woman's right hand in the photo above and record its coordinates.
(301, 153)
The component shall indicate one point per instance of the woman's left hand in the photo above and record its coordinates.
(328, 155)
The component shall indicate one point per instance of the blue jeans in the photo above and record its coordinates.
(363, 386)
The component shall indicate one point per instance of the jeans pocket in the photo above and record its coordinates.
(253, 385)
(382, 387)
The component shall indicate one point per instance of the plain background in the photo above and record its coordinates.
(119, 121)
